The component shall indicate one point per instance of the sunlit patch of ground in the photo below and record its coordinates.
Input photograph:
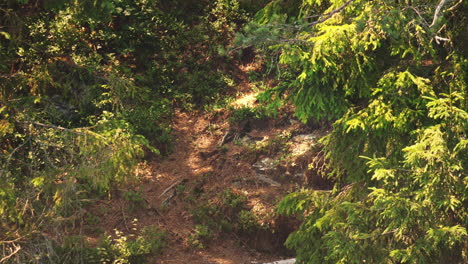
(246, 100)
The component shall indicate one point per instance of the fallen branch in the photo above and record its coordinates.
(170, 187)
(124, 217)
(166, 201)
(230, 135)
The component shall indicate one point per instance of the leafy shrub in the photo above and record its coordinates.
(135, 198)
(132, 249)
(226, 213)
(232, 200)
(200, 235)
(248, 221)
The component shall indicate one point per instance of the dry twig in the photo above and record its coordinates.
(17, 249)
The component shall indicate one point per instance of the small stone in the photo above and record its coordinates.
(304, 138)
(293, 121)
(302, 144)
(267, 180)
(264, 164)
(246, 140)
(298, 175)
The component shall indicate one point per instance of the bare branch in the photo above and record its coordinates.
(17, 249)
(439, 39)
(11, 241)
(455, 6)
(78, 131)
(55, 127)
(437, 12)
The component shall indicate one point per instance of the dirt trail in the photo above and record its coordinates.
(197, 161)
(195, 155)
(196, 137)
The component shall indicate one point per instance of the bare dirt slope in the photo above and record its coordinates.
(196, 156)
(210, 156)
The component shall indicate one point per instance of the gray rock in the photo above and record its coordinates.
(250, 140)
(304, 138)
(301, 144)
(268, 180)
(265, 164)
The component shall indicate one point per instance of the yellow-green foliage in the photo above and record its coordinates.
(396, 94)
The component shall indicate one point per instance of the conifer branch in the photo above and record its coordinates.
(331, 13)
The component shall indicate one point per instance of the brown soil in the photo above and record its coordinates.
(199, 162)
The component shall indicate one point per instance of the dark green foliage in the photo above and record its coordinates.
(87, 88)
(200, 236)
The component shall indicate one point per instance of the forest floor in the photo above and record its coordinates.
(201, 167)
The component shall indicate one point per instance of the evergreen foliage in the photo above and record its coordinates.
(86, 89)
(395, 87)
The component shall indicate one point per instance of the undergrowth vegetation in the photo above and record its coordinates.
(120, 248)
(226, 213)
(87, 88)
